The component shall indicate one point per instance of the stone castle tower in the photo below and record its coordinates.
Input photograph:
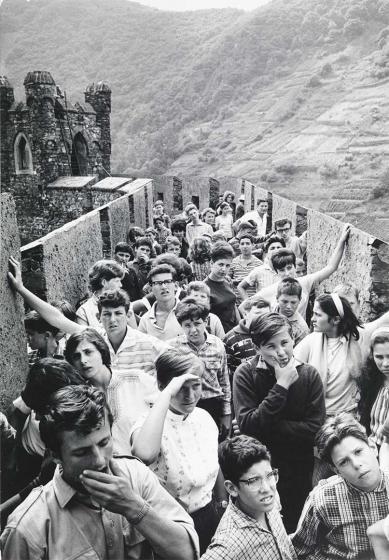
(47, 137)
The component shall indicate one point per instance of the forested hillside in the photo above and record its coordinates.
(171, 72)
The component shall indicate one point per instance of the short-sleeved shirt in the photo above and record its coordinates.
(240, 268)
(54, 523)
(187, 464)
(148, 324)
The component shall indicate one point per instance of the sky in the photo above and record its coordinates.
(183, 5)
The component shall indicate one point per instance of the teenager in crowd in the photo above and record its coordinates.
(244, 263)
(195, 228)
(178, 229)
(162, 231)
(178, 441)
(132, 235)
(280, 401)
(298, 245)
(152, 234)
(339, 510)
(216, 391)
(264, 274)
(139, 268)
(223, 298)
(251, 526)
(259, 216)
(224, 220)
(94, 502)
(243, 228)
(42, 337)
(288, 299)
(200, 258)
(158, 211)
(200, 293)
(208, 216)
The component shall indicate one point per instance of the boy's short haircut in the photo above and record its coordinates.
(264, 327)
(173, 363)
(151, 230)
(172, 240)
(158, 219)
(158, 203)
(345, 289)
(188, 308)
(161, 269)
(113, 298)
(206, 210)
(222, 250)
(271, 240)
(104, 269)
(238, 454)
(144, 242)
(255, 301)
(281, 258)
(290, 287)
(190, 207)
(262, 200)
(178, 225)
(246, 236)
(282, 223)
(334, 430)
(122, 247)
(197, 286)
(44, 378)
(246, 225)
(33, 322)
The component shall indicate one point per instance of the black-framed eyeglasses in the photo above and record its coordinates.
(256, 482)
(162, 282)
(281, 230)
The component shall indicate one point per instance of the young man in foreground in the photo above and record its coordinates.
(339, 510)
(251, 526)
(92, 506)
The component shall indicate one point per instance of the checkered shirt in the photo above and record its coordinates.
(335, 519)
(240, 537)
(215, 380)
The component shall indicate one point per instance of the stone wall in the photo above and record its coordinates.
(284, 208)
(13, 361)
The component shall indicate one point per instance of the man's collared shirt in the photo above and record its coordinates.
(335, 519)
(260, 221)
(215, 380)
(197, 230)
(148, 324)
(54, 522)
(240, 536)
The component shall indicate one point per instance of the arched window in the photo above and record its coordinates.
(22, 154)
(79, 155)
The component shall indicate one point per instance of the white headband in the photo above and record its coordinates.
(338, 304)
(379, 332)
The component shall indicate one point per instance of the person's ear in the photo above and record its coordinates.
(231, 488)
(335, 320)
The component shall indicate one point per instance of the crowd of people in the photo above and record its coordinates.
(204, 400)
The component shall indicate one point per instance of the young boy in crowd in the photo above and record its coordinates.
(152, 234)
(244, 263)
(41, 337)
(251, 526)
(281, 402)
(162, 230)
(173, 245)
(263, 275)
(178, 228)
(288, 299)
(139, 268)
(200, 292)
(238, 342)
(216, 393)
(339, 510)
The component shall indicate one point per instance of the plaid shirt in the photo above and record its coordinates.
(335, 519)
(240, 537)
(215, 380)
(200, 270)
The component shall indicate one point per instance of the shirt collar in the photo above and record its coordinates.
(154, 306)
(185, 340)
(63, 491)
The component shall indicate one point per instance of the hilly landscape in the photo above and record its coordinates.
(293, 96)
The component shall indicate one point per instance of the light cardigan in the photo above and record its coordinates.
(340, 388)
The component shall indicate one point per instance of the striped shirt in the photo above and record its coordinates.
(241, 537)
(215, 380)
(335, 519)
(261, 277)
(240, 268)
(379, 413)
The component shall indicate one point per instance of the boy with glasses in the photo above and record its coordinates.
(160, 321)
(297, 244)
(251, 526)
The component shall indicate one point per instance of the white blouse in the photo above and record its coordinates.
(187, 464)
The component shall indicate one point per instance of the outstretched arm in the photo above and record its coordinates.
(47, 311)
(335, 258)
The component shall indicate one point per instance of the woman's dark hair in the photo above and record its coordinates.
(123, 247)
(200, 250)
(334, 430)
(103, 270)
(172, 363)
(370, 382)
(87, 335)
(133, 233)
(226, 194)
(348, 325)
(222, 250)
(289, 286)
(76, 408)
(238, 454)
(224, 205)
(178, 225)
(264, 327)
(282, 257)
(181, 266)
(44, 378)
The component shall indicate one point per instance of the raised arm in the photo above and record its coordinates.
(47, 311)
(334, 259)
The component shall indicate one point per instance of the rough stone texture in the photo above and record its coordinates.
(62, 139)
(163, 190)
(13, 343)
(356, 264)
(119, 218)
(284, 208)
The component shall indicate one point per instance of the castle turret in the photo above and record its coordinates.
(7, 99)
(99, 96)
